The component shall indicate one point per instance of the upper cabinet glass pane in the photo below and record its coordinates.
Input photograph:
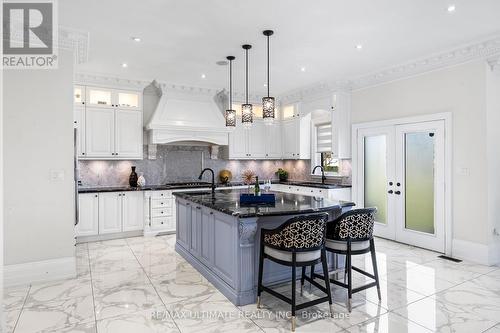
(288, 111)
(99, 97)
(128, 99)
(78, 95)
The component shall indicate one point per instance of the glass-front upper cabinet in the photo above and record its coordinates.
(288, 111)
(128, 99)
(100, 97)
(79, 95)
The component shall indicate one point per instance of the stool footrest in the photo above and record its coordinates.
(363, 272)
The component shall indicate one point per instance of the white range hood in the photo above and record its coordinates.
(188, 116)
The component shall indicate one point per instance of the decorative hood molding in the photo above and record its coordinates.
(185, 114)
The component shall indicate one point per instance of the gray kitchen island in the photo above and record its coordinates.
(220, 238)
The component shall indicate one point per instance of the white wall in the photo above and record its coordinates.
(493, 148)
(460, 90)
(38, 134)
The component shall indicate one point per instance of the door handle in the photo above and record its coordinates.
(390, 191)
(397, 192)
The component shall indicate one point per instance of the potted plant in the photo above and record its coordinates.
(282, 175)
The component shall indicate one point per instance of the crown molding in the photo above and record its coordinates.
(70, 39)
(495, 65)
(483, 50)
(476, 51)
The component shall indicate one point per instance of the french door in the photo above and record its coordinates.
(401, 172)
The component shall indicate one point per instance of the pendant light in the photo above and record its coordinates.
(246, 109)
(268, 103)
(230, 113)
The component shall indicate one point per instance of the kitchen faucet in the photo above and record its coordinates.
(323, 177)
(213, 178)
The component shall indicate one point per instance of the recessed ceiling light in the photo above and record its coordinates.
(451, 8)
(359, 47)
(136, 39)
(203, 76)
(124, 65)
(302, 69)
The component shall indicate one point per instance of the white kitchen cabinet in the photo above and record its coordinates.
(296, 133)
(100, 132)
(79, 120)
(113, 133)
(132, 211)
(273, 141)
(110, 212)
(88, 215)
(260, 141)
(341, 125)
(79, 95)
(125, 99)
(128, 130)
(160, 212)
(257, 143)
(238, 142)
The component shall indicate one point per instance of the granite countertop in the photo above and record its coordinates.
(228, 201)
(94, 189)
(315, 184)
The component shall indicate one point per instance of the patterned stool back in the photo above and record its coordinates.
(301, 233)
(354, 225)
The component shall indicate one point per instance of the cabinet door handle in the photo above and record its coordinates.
(211, 213)
(198, 207)
(390, 191)
(96, 195)
(397, 192)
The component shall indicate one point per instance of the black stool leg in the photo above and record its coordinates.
(375, 268)
(261, 268)
(327, 280)
(349, 277)
(302, 279)
(294, 277)
(312, 276)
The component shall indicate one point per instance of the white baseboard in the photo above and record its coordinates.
(475, 252)
(495, 253)
(39, 271)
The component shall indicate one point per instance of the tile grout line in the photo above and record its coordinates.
(22, 308)
(91, 285)
(154, 287)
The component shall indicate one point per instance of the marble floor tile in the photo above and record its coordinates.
(124, 300)
(102, 282)
(59, 290)
(448, 270)
(388, 323)
(53, 316)
(172, 291)
(474, 297)
(114, 266)
(444, 317)
(494, 329)
(139, 322)
(117, 243)
(14, 297)
(423, 284)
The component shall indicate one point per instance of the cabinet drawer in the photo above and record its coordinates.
(161, 203)
(161, 212)
(164, 223)
(161, 195)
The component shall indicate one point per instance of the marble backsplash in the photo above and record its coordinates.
(184, 163)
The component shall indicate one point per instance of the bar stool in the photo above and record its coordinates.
(352, 234)
(298, 242)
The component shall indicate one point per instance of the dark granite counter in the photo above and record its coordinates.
(314, 184)
(228, 202)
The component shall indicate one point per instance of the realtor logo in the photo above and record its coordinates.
(29, 35)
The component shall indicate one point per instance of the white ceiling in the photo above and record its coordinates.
(183, 39)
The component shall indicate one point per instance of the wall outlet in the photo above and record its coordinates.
(461, 171)
(57, 175)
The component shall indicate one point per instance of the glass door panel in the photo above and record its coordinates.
(375, 175)
(128, 100)
(98, 97)
(419, 182)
